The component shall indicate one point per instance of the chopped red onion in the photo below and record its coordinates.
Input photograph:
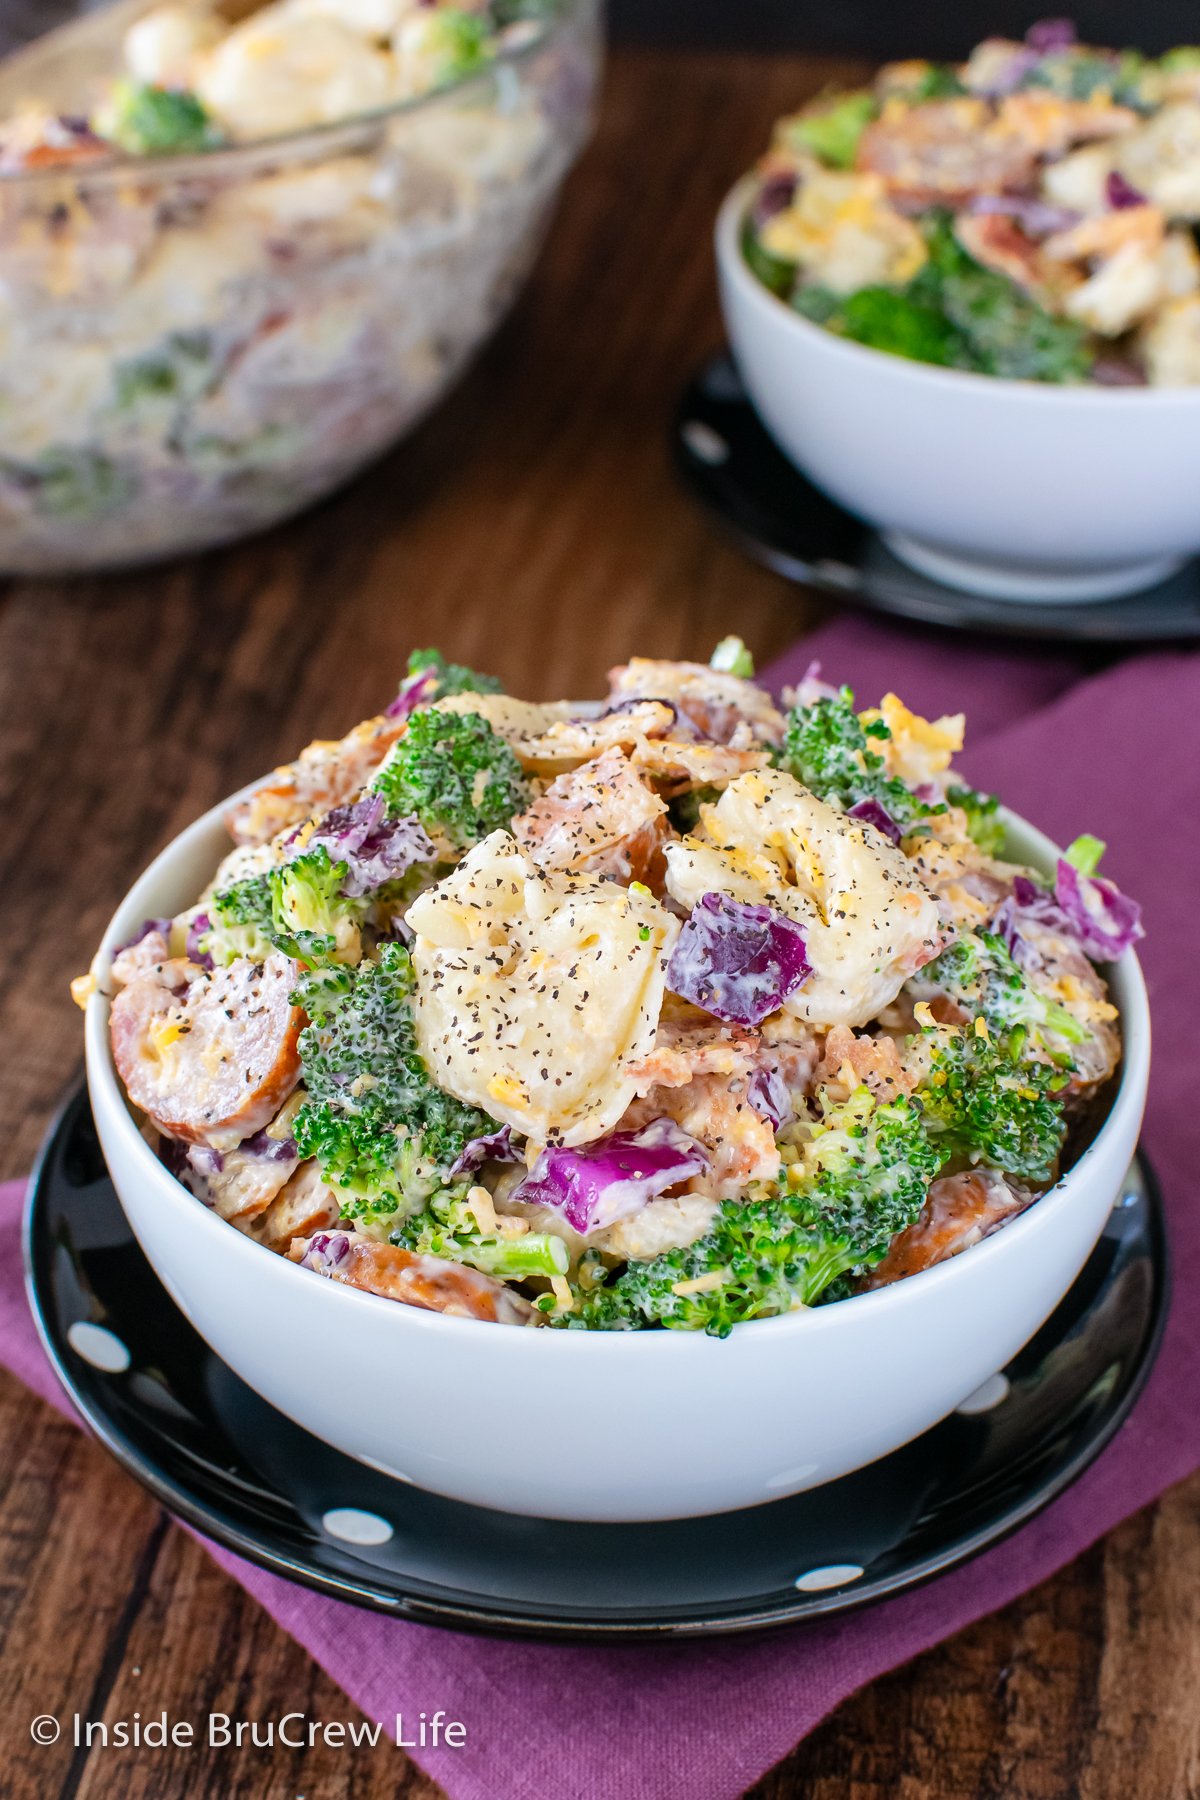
(1048, 35)
(1037, 218)
(870, 812)
(769, 1095)
(596, 1184)
(193, 946)
(497, 1146)
(270, 1149)
(1106, 921)
(415, 690)
(326, 1250)
(374, 849)
(1121, 193)
(143, 931)
(775, 195)
(1103, 921)
(739, 962)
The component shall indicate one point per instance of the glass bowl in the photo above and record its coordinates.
(194, 347)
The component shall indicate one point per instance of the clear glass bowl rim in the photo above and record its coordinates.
(331, 137)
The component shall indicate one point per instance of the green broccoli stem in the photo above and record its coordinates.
(514, 1259)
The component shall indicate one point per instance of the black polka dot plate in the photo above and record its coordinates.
(183, 1424)
(737, 471)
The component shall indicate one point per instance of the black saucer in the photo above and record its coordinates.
(739, 474)
(182, 1423)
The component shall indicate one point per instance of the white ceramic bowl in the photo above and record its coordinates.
(1017, 489)
(581, 1425)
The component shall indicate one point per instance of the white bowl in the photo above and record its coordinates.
(1016, 489)
(582, 1425)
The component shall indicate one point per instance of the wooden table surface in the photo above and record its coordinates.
(532, 528)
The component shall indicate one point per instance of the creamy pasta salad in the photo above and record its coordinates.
(1030, 213)
(261, 255)
(680, 1008)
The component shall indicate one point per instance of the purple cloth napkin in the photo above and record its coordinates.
(1115, 751)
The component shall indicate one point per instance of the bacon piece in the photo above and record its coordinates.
(599, 819)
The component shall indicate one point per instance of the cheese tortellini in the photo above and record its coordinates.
(279, 72)
(868, 922)
(536, 992)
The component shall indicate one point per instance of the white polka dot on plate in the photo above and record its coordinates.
(815, 1581)
(356, 1527)
(705, 444)
(99, 1346)
(991, 1392)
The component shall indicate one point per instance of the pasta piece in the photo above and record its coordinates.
(868, 922)
(537, 992)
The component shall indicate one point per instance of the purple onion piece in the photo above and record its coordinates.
(870, 812)
(1086, 908)
(774, 195)
(1106, 921)
(205, 1161)
(195, 936)
(1118, 371)
(596, 1184)
(768, 1094)
(1037, 218)
(1120, 193)
(1011, 74)
(497, 1146)
(1049, 35)
(374, 848)
(143, 931)
(326, 1251)
(415, 690)
(810, 688)
(738, 962)
(269, 1149)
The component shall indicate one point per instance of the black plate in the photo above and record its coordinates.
(740, 475)
(183, 1424)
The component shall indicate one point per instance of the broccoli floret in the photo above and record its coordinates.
(455, 44)
(180, 369)
(69, 483)
(311, 919)
(998, 329)
(985, 827)
(956, 314)
(457, 776)
(832, 133)
(240, 922)
(978, 972)
(297, 907)
(859, 1174)
(890, 319)
(156, 121)
(384, 1134)
(983, 1104)
(731, 657)
(937, 81)
(829, 749)
(451, 678)
(760, 1258)
(448, 1228)
(775, 272)
(865, 1167)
